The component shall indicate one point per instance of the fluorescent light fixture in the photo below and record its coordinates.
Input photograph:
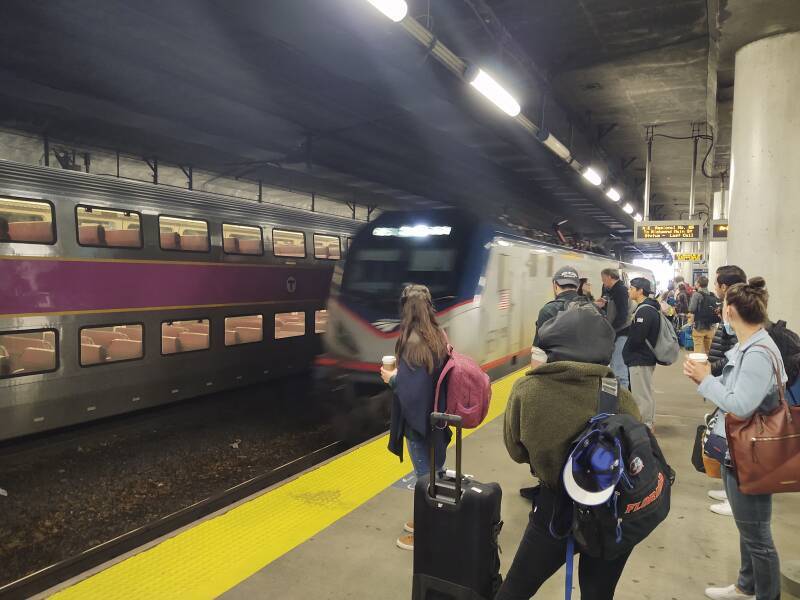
(613, 194)
(592, 176)
(396, 10)
(637, 217)
(407, 231)
(486, 85)
(557, 147)
(504, 243)
(628, 208)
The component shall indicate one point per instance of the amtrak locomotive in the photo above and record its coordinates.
(488, 285)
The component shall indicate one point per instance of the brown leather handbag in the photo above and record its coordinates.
(765, 449)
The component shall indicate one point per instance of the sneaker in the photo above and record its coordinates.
(718, 495)
(727, 593)
(406, 542)
(408, 526)
(723, 509)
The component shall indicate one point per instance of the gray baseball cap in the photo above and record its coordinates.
(567, 276)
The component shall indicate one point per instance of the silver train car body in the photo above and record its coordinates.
(55, 372)
(488, 284)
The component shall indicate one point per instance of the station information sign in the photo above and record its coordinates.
(719, 231)
(689, 257)
(668, 231)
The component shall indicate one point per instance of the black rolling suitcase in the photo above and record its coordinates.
(456, 526)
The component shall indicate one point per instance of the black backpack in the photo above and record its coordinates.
(707, 313)
(788, 342)
(641, 499)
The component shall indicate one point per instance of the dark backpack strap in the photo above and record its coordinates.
(608, 400)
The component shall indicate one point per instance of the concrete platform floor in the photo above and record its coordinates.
(356, 557)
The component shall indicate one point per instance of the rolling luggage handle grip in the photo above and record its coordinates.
(454, 420)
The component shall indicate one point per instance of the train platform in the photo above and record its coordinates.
(330, 532)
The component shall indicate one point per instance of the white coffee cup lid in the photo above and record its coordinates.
(698, 356)
(388, 359)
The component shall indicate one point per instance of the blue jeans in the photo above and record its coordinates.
(618, 364)
(760, 572)
(419, 450)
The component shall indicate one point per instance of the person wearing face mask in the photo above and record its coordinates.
(748, 384)
(723, 341)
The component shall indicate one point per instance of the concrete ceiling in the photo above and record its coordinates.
(335, 94)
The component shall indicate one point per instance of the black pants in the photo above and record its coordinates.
(540, 555)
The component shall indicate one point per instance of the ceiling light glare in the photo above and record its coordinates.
(628, 209)
(637, 217)
(396, 10)
(613, 194)
(557, 147)
(592, 176)
(487, 86)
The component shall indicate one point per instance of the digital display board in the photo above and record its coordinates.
(689, 257)
(719, 231)
(668, 231)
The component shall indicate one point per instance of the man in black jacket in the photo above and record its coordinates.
(615, 302)
(565, 289)
(638, 353)
(726, 276)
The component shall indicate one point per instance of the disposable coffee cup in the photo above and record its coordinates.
(538, 355)
(389, 363)
(699, 357)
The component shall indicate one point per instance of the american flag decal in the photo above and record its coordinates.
(505, 300)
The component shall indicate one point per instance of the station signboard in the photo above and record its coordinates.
(668, 231)
(689, 257)
(719, 230)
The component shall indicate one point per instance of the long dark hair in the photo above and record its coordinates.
(422, 342)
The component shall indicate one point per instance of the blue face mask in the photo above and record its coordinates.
(728, 329)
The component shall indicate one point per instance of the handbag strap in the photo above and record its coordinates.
(778, 379)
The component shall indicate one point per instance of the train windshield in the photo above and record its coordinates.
(379, 271)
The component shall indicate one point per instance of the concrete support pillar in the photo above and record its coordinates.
(718, 251)
(764, 237)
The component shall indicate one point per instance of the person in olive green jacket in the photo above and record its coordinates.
(548, 408)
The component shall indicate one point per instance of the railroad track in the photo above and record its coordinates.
(54, 574)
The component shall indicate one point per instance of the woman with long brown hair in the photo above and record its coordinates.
(749, 383)
(421, 352)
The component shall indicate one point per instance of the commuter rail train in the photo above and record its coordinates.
(488, 285)
(117, 295)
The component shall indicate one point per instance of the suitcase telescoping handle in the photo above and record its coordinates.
(436, 418)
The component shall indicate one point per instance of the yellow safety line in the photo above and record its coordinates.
(217, 554)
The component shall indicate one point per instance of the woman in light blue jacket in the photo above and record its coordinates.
(748, 384)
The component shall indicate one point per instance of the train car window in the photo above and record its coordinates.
(291, 324)
(245, 329)
(327, 247)
(26, 221)
(242, 239)
(105, 227)
(289, 243)
(320, 321)
(28, 352)
(112, 343)
(185, 336)
(187, 235)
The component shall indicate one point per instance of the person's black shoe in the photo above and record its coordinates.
(529, 493)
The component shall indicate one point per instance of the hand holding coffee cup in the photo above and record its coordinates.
(388, 368)
(697, 367)
(538, 357)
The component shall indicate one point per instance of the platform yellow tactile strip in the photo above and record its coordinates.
(217, 554)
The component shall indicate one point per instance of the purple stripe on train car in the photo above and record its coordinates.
(30, 286)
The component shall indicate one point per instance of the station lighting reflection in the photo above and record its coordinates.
(628, 208)
(396, 10)
(613, 194)
(592, 176)
(637, 217)
(486, 85)
(411, 231)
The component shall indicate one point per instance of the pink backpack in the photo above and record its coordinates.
(468, 389)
